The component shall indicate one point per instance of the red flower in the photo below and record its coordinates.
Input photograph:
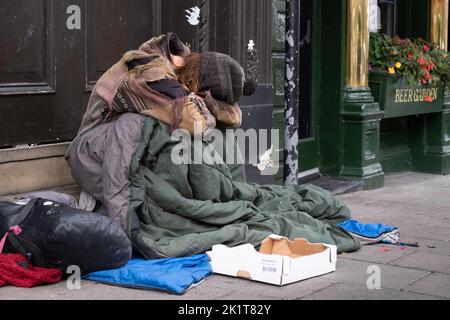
(426, 48)
(432, 66)
(427, 99)
(421, 61)
(410, 55)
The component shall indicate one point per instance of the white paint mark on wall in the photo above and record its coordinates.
(292, 85)
(23, 42)
(251, 45)
(30, 32)
(374, 16)
(289, 73)
(290, 38)
(193, 16)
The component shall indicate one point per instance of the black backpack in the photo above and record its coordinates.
(55, 235)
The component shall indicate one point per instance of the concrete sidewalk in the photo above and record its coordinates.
(419, 204)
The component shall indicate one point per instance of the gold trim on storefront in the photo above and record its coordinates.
(357, 43)
(439, 23)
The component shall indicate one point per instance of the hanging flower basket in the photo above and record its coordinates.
(407, 76)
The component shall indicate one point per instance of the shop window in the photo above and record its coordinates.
(382, 16)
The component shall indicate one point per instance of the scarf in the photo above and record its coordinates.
(121, 90)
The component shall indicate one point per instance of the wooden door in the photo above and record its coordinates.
(49, 62)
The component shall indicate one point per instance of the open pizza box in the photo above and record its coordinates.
(280, 261)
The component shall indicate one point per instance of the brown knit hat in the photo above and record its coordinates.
(223, 77)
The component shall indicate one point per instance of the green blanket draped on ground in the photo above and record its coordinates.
(185, 209)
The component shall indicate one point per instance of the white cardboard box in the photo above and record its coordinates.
(280, 261)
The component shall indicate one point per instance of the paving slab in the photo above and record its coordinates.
(364, 211)
(425, 261)
(392, 277)
(99, 291)
(425, 232)
(350, 291)
(245, 296)
(436, 284)
(46, 292)
(252, 288)
(442, 213)
(379, 253)
(423, 220)
(393, 208)
(428, 245)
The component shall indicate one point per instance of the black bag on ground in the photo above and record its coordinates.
(55, 235)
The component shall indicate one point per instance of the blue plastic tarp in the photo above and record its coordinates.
(175, 275)
(370, 230)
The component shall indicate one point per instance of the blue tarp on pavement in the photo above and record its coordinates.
(175, 275)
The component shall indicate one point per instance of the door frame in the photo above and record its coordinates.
(309, 147)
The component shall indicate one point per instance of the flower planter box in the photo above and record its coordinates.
(397, 98)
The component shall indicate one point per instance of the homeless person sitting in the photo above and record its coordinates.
(122, 158)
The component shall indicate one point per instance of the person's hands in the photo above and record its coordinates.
(227, 115)
(177, 61)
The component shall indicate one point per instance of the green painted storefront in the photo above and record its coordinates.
(356, 132)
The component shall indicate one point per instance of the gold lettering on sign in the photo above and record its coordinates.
(410, 95)
(397, 96)
(415, 95)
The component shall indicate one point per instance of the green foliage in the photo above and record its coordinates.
(418, 61)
